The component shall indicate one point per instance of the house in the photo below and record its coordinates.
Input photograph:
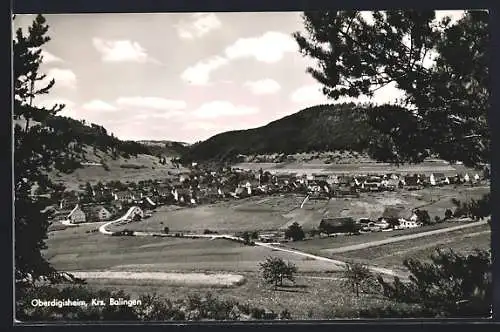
(393, 215)
(345, 181)
(412, 182)
(405, 224)
(437, 179)
(136, 211)
(68, 203)
(338, 225)
(392, 184)
(373, 183)
(124, 196)
(320, 177)
(77, 216)
(95, 213)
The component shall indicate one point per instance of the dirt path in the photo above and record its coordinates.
(401, 238)
(338, 264)
(216, 279)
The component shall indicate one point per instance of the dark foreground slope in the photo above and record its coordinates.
(318, 128)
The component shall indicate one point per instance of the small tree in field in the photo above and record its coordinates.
(295, 232)
(356, 275)
(274, 270)
(166, 230)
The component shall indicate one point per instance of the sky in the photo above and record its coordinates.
(181, 76)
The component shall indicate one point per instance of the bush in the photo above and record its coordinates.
(207, 231)
(150, 308)
(448, 214)
(166, 230)
(452, 285)
(437, 219)
(295, 232)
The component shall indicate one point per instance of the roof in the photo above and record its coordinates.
(396, 212)
(338, 221)
(76, 208)
(93, 210)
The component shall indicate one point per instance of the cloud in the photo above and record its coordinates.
(98, 105)
(151, 103)
(63, 77)
(269, 48)
(199, 74)
(200, 125)
(263, 87)
(200, 25)
(121, 51)
(221, 108)
(49, 57)
(309, 94)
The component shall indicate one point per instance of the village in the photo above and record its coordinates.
(202, 186)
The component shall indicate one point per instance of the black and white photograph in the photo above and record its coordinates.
(251, 166)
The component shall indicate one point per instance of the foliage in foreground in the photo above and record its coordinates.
(445, 103)
(152, 308)
(275, 270)
(358, 277)
(451, 285)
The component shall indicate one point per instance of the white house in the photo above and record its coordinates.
(466, 177)
(432, 180)
(77, 216)
(404, 224)
(136, 211)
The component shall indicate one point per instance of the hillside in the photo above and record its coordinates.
(95, 155)
(318, 128)
(165, 148)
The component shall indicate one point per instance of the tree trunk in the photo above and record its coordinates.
(357, 290)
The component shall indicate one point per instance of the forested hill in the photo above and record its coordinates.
(318, 128)
(80, 133)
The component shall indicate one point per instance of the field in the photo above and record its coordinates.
(317, 163)
(464, 241)
(311, 298)
(176, 267)
(96, 252)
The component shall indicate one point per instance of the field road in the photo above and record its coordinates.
(401, 238)
(337, 263)
(103, 229)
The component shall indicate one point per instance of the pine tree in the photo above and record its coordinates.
(444, 110)
(37, 148)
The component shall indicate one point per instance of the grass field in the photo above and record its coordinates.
(390, 255)
(75, 250)
(316, 164)
(310, 298)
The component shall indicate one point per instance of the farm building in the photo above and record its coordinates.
(338, 225)
(77, 216)
(405, 224)
(96, 213)
(393, 214)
